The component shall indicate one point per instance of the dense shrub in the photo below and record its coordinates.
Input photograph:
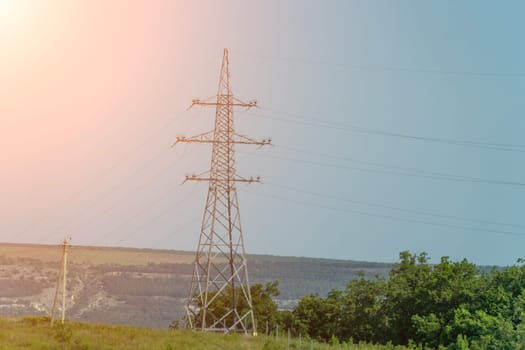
(450, 304)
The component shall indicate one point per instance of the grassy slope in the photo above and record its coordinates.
(35, 333)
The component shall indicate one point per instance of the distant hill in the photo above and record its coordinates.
(146, 287)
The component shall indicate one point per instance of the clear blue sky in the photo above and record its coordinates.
(397, 125)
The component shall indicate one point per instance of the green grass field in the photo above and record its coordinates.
(36, 333)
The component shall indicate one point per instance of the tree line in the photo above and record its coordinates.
(449, 305)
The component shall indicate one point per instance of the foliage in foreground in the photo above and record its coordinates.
(449, 305)
(36, 333)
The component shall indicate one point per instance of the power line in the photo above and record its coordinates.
(105, 172)
(376, 164)
(351, 128)
(151, 204)
(399, 173)
(186, 223)
(389, 217)
(88, 211)
(91, 214)
(140, 212)
(137, 230)
(294, 60)
(384, 206)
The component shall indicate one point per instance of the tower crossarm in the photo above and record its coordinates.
(213, 179)
(208, 137)
(245, 140)
(235, 103)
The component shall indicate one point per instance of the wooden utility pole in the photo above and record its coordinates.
(61, 278)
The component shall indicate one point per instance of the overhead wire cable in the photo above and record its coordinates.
(353, 66)
(104, 235)
(90, 214)
(350, 128)
(389, 217)
(375, 164)
(391, 207)
(399, 173)
(104, 173)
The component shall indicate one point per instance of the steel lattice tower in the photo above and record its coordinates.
(219, 298)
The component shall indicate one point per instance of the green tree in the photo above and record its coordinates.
(363, 318)
(263, 305)
(449, 286)
(460, 344)
(407, 294)
(449, 304)
(485, 331)
(319, 318)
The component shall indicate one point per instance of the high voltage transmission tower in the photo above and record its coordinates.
(220, 298)
(61, 281)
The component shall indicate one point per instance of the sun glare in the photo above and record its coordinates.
(8, 8)
(11, 15)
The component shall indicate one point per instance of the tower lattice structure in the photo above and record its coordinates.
(219, 298)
